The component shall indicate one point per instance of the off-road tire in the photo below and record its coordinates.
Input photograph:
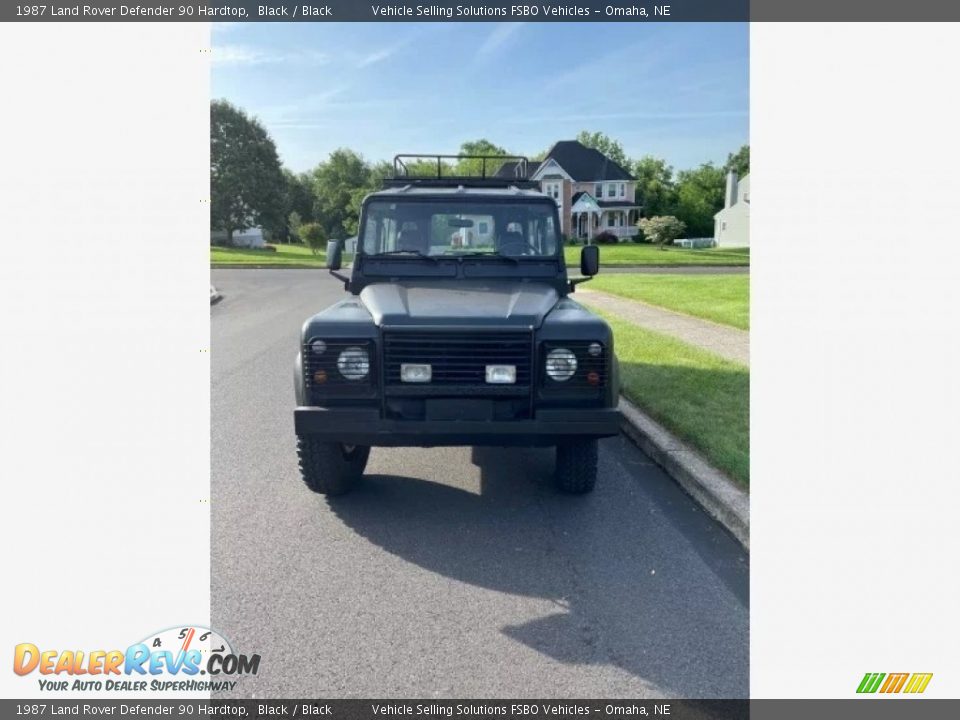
(576, 471)
(330, 468)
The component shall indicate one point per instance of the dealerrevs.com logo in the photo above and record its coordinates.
(183, 659)
(887, 684)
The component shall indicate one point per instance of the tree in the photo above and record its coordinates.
(605, 144)
(294, 221)
(339, 185)
(699, 198)
(299, 194)
(739, 162)
(656, 191)
(473, 168)
(662, 229)
(246, 183)
(314, 236)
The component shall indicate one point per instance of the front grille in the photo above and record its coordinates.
(457, 359)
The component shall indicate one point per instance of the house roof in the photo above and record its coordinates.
(509, 169)
(584, 164)
(581, 163)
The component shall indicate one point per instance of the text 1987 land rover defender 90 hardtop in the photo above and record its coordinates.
(459, 331)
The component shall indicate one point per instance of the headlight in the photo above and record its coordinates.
(561, 364)
(354, 363)
(319, 347)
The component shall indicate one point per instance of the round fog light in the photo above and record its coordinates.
(594, 349)
(319, 347)
(561, 364)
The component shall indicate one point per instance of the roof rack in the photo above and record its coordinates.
(489, 165)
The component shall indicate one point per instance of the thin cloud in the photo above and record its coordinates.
(381, 55)
(496, 39)
(596, 117)
(245, 55)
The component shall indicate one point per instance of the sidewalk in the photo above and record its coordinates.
(729, 343)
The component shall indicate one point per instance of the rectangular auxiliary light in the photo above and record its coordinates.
(413, 373)
(502, 374)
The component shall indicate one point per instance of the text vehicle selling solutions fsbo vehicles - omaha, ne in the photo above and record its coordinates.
(459, 330)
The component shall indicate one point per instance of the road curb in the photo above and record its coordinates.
(723, 499)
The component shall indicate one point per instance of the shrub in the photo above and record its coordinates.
(314, 237)
(662, 229)
(605, 238)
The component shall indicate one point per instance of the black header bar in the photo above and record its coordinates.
(482, 11)
(82, 708)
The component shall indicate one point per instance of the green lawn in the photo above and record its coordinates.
(624, 254)
(721, 298)
(643, 254)
(702, 398)
(284, 255)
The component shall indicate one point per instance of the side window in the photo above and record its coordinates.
(623, 189)
(611, 190)
(598, 190)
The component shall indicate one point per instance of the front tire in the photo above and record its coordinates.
(576, 471)
(330, 468)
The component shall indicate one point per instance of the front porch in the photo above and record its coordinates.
(621, 222)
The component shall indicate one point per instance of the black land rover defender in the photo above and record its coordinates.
(459, 331)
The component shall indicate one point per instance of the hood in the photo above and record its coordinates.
(470, 302)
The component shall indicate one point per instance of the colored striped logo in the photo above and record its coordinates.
(894, 682)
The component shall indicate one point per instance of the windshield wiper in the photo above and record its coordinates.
(512, 259)
(414, 253)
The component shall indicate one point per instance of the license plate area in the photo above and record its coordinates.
(457, 409)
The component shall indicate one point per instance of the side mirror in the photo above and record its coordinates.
(589, 260)
(334, 255)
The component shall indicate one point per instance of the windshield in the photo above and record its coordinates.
(456, 229)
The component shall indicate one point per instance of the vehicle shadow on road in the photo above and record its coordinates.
(629, 590)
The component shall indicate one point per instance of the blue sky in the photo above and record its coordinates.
(674, 90)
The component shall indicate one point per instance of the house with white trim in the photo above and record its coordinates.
(594, 193)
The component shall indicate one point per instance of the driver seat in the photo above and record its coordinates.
(512, 244)
(413, 240)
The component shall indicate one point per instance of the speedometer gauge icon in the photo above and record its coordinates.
(180, 640)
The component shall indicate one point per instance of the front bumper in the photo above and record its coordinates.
(364, 426)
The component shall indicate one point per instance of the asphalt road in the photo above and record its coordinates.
(452, 572)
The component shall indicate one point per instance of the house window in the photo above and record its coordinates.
(553, 190)
(598, 190)
(611, 220)
(611, 190)
(483, 228)
(623, 189)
